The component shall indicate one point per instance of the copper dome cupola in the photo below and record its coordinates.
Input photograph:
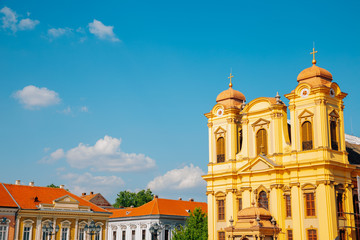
(231, 97)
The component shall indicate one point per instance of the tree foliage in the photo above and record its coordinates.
(128, 199)
(53, 186)
(196, 227)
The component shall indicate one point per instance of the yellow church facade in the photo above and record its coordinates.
(296, 169)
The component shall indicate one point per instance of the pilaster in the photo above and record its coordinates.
(326, 210)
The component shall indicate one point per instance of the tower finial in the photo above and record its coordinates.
(313, 53)
(231, 76)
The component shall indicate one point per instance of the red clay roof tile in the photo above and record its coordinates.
(160, 206)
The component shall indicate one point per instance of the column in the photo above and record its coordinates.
(38, 228)
(326, 210)
(76, 228)
(246, 197)
(297, 209)
(211, 214)
(349, 207)
(17, 228)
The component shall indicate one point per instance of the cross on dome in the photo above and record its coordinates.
(231, 76)
(313, 53)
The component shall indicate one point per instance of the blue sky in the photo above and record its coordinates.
(108, 96)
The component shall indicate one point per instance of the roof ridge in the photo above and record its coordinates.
(155, 201)
(11, 195)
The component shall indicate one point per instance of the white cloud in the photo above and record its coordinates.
(66, 111)
(105, 155)
(103, 32)
(10, 21)
(79, 183)
(54, 156)
(33, 97)
(84, 109)
(28, 24)
(188, 177)
(58, 32)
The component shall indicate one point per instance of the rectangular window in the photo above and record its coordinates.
(289, 235)
(81, 234)
(133, 235)
(342, 234)
(26, 233)
(45, 236)
(340, 205)
(166, 234)
(240, 204)
(310, 204)
(143, 234)
(123, 235)
(3, 231)
(114, 235)
(97, 236)
(221, 210)
(288, 205)
(64, 233)
(312, 234)
(221, 235)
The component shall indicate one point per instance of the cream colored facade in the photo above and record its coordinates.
(287, 164)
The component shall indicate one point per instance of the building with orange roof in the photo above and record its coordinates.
(8, 210)
(135, 223)
(37, 207)
(96, 198)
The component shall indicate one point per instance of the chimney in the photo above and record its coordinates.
(31, 184)
(91, 193)
(62, 186)
(84, 193)
(156, 196)
(191, 199)
(17, 182)
(180, 198)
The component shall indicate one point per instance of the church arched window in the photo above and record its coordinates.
(261, 142)
(263, 200)
(334, 141)
(239, 141)
(220, 149)
(306, 130)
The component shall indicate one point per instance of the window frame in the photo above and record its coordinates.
(310, 133)
(264, 139)
(27, 224)
(288, 235)
(308, 233)
(222, 233)
(288, 212)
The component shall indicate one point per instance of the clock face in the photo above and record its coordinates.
(304, 93)
(220, 112)
(332, 92)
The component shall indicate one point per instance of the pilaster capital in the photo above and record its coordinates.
(320, 101)
(232, 190)
(209, 193)
(294, 184)
(276, 115)
(325, 182)
(246, 189)
(231, 120)
(291, 107)
(244, 121)
(276, 186)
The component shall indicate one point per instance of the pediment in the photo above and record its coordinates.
(260, 163)
(220, 130)
(334, 114)
(260, 122)
(306, 113)
(66, 199)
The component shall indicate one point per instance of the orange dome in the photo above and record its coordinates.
(230, 94)
(314, 71)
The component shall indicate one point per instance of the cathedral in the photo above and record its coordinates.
(282, 172)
